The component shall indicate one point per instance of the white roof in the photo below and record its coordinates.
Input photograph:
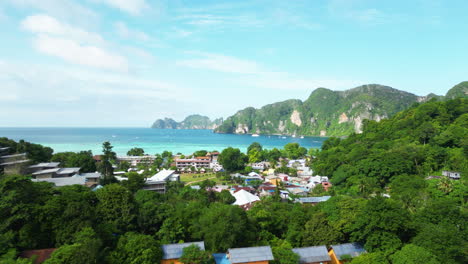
(63, 181)
(69, 170)
(45, 164)
(46, 171)
(244, 197)
(162, 175)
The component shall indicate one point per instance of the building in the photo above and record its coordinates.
(213, 156)
(56, 173)
(455, 175)
(85, 179)
(312, 200)
(158, 182)
(313, 255)
(43, 166)
(14, 164)
(198, 162)
(244, 199)
(136, 160)
(173, 252)
(250, 255)
(340, 253)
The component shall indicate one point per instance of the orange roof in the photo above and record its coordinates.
(42, 254)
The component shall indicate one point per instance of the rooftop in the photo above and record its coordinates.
(46, 171)
(68, 170)
(13, 156)
(250, 254)
(14, 162)
(312, 254)
(64, 181)
(313, 199)
(352, 249)
(174, 251)
(45, 164)
(162, 175)
(244, 197)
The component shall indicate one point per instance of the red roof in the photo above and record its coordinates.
(42, 254)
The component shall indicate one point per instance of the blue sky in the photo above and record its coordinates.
(126, 63)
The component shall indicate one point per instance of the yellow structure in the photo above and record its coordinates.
(334, 258)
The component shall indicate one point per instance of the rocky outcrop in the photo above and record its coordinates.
(296, 118)
(190, 122)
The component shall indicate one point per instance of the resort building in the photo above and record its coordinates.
(250, 255)
(13, 164)
(56, 173)
(313, 255)
(344, 252)
(158, 182)
(197, 162)
(173, 252)
(136, 160)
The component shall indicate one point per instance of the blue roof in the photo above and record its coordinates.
(250, 254)
(221, 258)
(174, 251)
(312, 254)
(352, 249)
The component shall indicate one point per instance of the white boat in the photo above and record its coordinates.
(302, 136)
(294, 135)
(255, 135)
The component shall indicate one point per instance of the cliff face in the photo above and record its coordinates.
(324, 113)
(190, 122)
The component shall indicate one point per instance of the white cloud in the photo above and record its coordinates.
(67, 10)
(74, 52)
(72, 44)
(126, 32)
(221, 63)
(134, 7)
(44, 24)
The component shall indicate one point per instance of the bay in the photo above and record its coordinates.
(151, 140)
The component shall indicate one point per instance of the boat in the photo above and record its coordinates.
(294, 135)
(302, 136)
(255, 135)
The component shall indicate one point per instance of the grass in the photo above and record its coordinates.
(189, 178)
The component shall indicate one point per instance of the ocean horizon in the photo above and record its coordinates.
(153, 141)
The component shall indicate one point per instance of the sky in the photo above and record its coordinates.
(121, 63)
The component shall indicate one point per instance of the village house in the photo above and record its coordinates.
(340, 253)
(245, 199)
(313, 255)
(158, 182)
(454, 175)
(250, 255)
(173, 252)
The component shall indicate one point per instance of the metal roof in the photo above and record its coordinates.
(313, 199)
(45, 164)
(14, 162)
(162, 175)
(352, 249)
(12, 156)
(63, 181)
(46, 171)
(174, 251)
(69, 170)
(90, 175)
(312, 254)
(250, 254)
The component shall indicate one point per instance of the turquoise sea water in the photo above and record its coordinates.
(151, 140)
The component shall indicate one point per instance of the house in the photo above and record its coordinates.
(158, 182)
(257, 255)
(213, 156)
(173, 252)
(313, 255)
(273, 179)
(312, 200)
(14, 164)
(340, 253)
(56, 173)
(245, 199)
(300, 191)
(40, 255)
(455, 175)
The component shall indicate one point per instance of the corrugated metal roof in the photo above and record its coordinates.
(64, 181)
(45, 164)
(69, 170)
(162, 175)
(46, 171)
(174, 251)
(313, 199)
(250, 254)
(352, 249)
(312, 254)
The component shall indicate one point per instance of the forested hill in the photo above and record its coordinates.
(190, 122)
(418, 142)
(327, 112)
